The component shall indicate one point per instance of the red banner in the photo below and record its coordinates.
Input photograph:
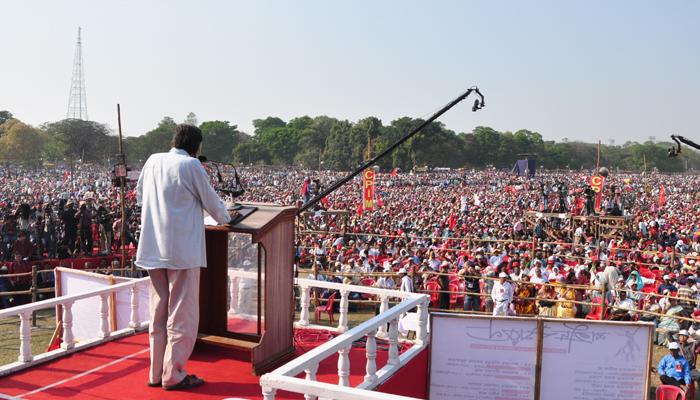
(597, 184)
(368, 191)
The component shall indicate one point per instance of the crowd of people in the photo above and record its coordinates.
(58, 212)
(463, 236)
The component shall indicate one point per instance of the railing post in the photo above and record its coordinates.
(311, 376)
(344, 366)
(381, 332)
(371, 353)
(34, 292)
(25, 338)
(393, 342)
(134, 303)
(104, 316)
(268, 393)
(305, 302)
(343, 320)
(422, 331)
(68, 339)
(233, 289)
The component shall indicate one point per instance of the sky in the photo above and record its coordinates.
(580, 70)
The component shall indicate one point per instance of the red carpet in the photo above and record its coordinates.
(119, 370)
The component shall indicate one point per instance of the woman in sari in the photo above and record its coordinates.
(522, 304)
(669, 325)
(566, 309)
(547, 307)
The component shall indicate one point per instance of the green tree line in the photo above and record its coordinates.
(329, 143)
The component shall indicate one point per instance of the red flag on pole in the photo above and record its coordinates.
(452, 221)
(395, 172)
(359, 210)
(662, 196)
(305, 187)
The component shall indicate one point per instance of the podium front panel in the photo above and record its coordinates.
(246, 282)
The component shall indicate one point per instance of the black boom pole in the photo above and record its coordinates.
(478, 104)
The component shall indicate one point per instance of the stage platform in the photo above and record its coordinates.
(119, 370)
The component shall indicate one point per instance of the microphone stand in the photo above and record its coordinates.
(366, 164)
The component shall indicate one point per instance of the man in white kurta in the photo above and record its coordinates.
(502, 295)
(173, 189)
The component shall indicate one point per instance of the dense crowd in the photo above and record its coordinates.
(58, 212)
(465, 237)
(468, 237)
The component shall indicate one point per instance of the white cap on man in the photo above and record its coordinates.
(673, 346)
(683, 332)
(502, 275)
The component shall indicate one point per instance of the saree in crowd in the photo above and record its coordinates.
(524, 306)
(547, 307)
(566, 309)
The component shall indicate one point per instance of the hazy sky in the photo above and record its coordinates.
(622, 70)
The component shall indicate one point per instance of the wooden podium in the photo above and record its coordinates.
(246, 298)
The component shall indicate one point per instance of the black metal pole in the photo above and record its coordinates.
(122, 182)
(389, 149)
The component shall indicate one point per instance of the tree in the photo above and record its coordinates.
(22, 143)
(86, 140)
(191, 119)
(262, 125)
(4, 116)
(250, 151)
(220, 138)
(312, 141)
(337, 147)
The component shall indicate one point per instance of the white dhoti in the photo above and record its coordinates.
(501, 307)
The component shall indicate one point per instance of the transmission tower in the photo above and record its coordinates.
(77, 100)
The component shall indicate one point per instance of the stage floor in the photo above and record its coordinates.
(119, 370)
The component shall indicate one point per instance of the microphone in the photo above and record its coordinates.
(235, 192)
(674, 152)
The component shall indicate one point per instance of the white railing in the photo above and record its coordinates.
(284, 378)
(68, 345)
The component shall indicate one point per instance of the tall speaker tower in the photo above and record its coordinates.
(77, 100)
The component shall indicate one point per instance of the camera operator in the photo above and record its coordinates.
(105, 220)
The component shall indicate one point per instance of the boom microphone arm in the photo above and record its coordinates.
(678, 139)
(478, 104)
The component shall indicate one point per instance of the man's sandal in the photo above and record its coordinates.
(189, 382)
(156, 384)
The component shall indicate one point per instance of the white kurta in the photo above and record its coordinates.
(173, 189)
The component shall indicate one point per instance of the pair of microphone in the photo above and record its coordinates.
(238, 190)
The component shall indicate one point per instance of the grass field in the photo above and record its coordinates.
(41, 335)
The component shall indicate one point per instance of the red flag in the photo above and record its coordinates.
(395, 172)
(325, 202)
(305, 187)
(380, 201)
(359, 210)
(452, 221)
(662, 196)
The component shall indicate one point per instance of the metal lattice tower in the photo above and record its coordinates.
(77, 100)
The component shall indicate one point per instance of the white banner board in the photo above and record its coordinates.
(595, 360)
(481, 357)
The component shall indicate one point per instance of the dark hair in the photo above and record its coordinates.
(187, 137)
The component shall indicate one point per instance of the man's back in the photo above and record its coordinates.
(173, 189)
